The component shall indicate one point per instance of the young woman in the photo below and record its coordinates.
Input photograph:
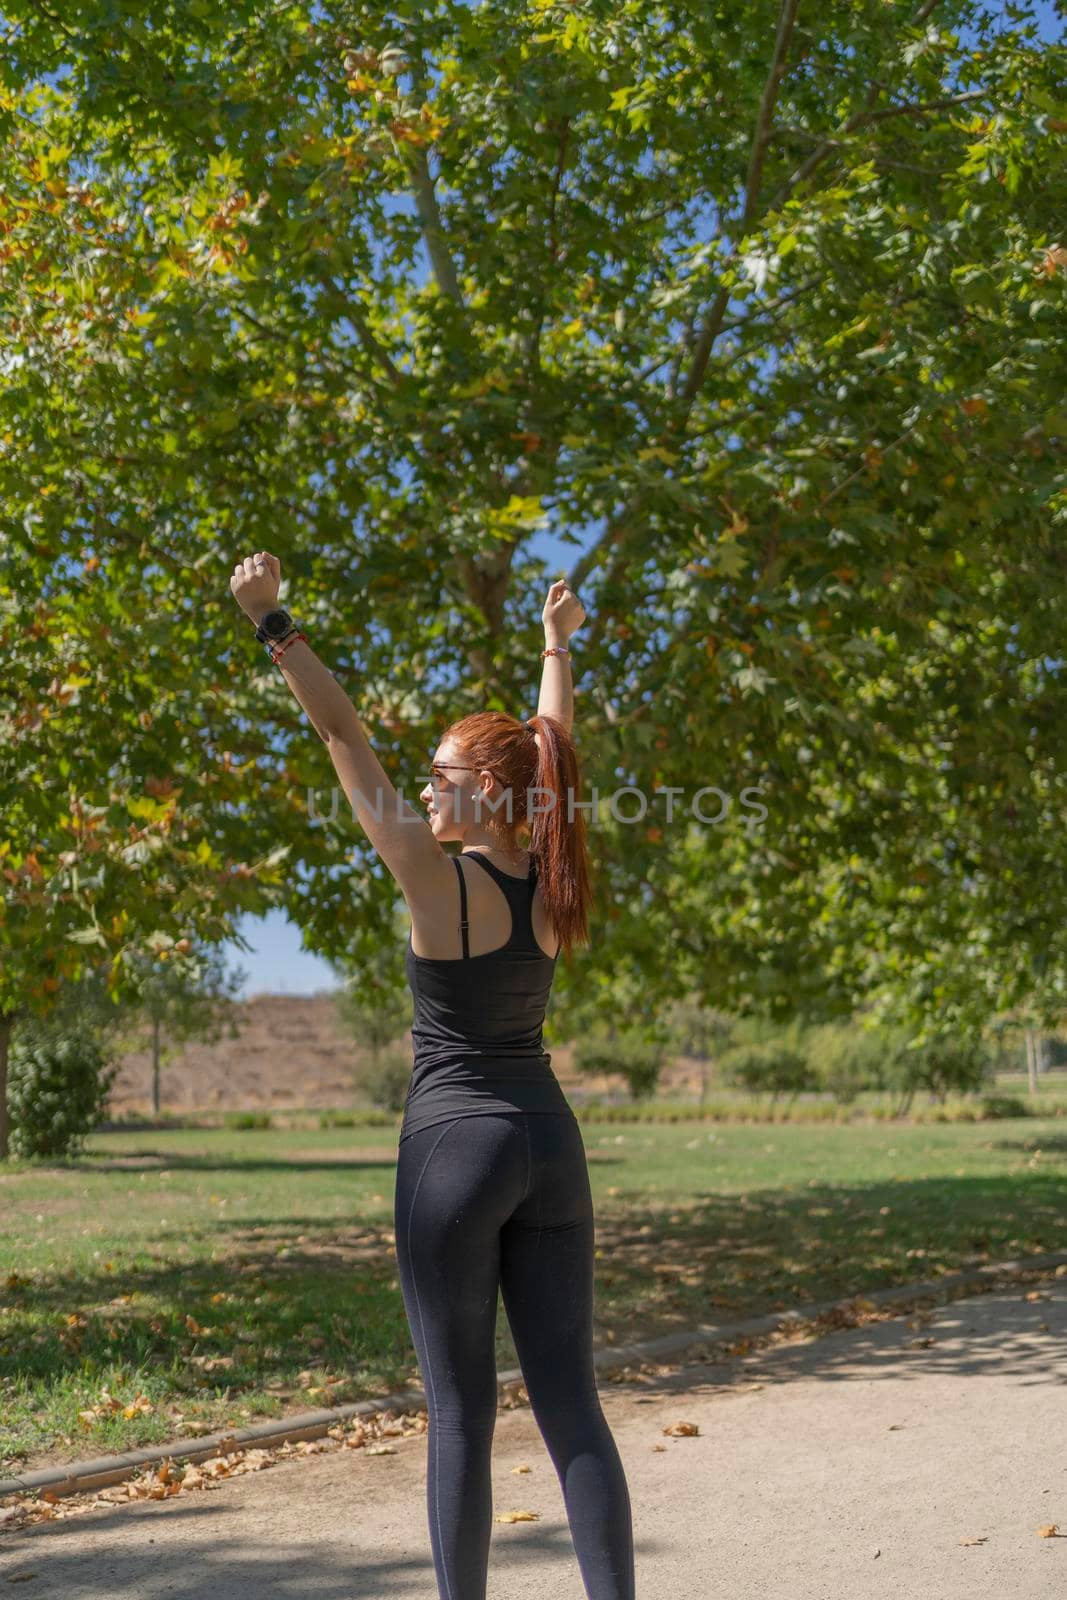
(492, 1185)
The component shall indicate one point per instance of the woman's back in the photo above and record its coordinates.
(477, 1024)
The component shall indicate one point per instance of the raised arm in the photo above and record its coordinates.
(402, 837)
(562, 616)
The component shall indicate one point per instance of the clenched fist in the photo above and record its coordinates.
(563, 613)
(255, 583)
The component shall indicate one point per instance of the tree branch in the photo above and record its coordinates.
(832, 494)
(282, 337)
(362, 327)
(760, 141)
(860, 119)
(713, 324)
(55, 21)
(534, 340)
(432, 230)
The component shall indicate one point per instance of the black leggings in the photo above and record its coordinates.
(503, 1202)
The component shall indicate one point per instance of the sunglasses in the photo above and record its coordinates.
(438, 771)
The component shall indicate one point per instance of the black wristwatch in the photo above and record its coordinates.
(274, 627)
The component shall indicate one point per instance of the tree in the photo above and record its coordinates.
(847, 1058)
(760, 310)
(628, 1053)
(940, 1064)
(376, 1020)
(774, 1065)
(57, 1091)
(188, 993)
(698, 1031)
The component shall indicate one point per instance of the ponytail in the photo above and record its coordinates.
(538, 762)
(558, 834)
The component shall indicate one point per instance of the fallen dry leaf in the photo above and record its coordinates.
(1049, 1532)
(681, 1429)
(520, 1469)
(518, 1516)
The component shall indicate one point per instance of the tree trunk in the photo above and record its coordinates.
(6, 1020)
(155, 1066)
(1031, 1061)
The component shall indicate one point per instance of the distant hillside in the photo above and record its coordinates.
(289, 1052)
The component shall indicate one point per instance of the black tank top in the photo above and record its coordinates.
(476, 1028)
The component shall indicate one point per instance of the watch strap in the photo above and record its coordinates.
(265, 638)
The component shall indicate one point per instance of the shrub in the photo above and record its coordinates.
(847, 1060)
(247, 1119)
(776, 1068)
(639, 1061)
(1002, 1105)
(943, 1063)
(357, 1119)
(385, 1078)
(57, 1090)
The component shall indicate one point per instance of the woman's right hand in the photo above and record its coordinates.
(563, 612)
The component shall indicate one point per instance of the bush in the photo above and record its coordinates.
(1002, 1105)
(944, 1063)
(847, 1060)
(385, 1079)
(776, 1068)
(57, 1091)
(247, 1119)
(639, 1061)
(355, 1119)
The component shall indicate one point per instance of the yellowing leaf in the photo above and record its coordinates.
(730, 558)
(656, 452)
(519, 1516)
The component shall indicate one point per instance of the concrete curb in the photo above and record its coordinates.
(79, 1476)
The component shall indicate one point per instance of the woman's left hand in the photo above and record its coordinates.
(255, 583)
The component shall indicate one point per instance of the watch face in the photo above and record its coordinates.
(275, 623)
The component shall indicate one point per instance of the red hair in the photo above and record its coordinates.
(558, 841)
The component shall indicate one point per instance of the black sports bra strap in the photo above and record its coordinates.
(463, 923)
(521, 904)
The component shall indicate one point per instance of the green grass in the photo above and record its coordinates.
(227, 1276)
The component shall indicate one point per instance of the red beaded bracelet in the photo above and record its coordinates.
(277, 653)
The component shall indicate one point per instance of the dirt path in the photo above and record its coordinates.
(853, 1464)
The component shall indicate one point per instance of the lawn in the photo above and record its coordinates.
(172, 1282)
